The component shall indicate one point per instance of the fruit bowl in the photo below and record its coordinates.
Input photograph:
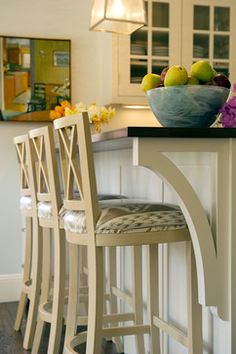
(187, 105)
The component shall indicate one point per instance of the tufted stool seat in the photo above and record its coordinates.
(26, 202)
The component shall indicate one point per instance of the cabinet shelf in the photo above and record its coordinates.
(138, 63)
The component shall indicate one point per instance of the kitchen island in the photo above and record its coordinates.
(196, 165)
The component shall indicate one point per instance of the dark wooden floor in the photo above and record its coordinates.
(11, 341)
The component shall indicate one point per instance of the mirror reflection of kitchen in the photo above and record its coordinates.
(34, 75)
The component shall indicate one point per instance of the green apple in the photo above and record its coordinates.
(203, 71)
(150, 81)
(192, 81)
(176, 75)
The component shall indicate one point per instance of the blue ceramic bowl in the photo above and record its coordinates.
(187, 105)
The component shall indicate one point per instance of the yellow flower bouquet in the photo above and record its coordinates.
(98, 115)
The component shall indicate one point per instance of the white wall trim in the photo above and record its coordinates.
(10, 287)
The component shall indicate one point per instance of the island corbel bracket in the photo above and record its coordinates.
(212, 289)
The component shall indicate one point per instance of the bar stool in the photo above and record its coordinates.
(48, 199)
(98, 225)
(33, 246)
(52, 307)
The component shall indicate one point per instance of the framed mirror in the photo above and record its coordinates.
(35, 76)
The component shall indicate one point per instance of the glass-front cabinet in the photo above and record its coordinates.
(176, 32)
(210, 34)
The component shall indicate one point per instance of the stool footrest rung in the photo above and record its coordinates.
(72, 342)
(84, 297)
(172, 331)
(125, 331)
(109, 318)
(80, 338)
(122, 295)
(45, 311)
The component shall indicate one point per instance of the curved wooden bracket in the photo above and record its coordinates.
(211, 259)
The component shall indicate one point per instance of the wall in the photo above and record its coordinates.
(46, 71)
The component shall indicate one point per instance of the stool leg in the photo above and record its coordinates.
(28, 248)
(137, 294)
(82, 279)
(195, 341)
(20, 310)
(83, 266)
(153, 297)
(46, 268)
(58, 291)
(26, 274)
(112, 281)
(35, 287)
(71, 322)
(96, 292)
(38, 335)
(45, 286)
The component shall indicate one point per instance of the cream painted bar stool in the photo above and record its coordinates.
(98, 225)
(48, 199)
(52, 308)
(33, 245)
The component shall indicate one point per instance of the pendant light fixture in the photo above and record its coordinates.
(117, 16)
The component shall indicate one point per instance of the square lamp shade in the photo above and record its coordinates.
(117, 16)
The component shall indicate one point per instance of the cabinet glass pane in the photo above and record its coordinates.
(201, 17)
(221, 68)
(201, 45)
(138, 43)
(160, 43)
(160, 14)
(221, 18)
(138, 68)
(221, 47)
(146, 11)
(158, 65)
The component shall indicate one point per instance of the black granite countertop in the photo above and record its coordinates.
(122, 138)
(152, 132)
(158, 132)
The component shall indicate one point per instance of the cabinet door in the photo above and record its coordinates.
(21, 82)
(9, 90)
(13, 56)
(149, 49)
(208, 33)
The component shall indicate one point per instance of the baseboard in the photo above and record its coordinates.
(10, 287)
